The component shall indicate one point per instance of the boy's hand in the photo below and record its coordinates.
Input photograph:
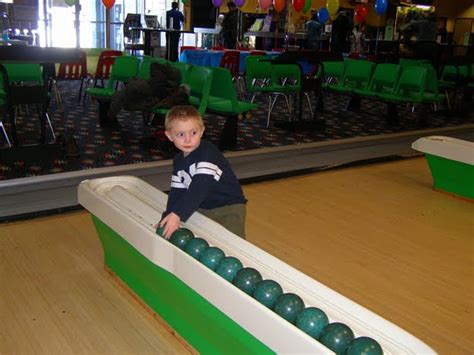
(170, 223)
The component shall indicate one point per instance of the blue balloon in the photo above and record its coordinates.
(323, 15)
(381, 7)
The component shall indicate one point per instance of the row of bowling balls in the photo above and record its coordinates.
(336, 336)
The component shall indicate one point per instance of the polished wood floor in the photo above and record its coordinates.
(377, 234)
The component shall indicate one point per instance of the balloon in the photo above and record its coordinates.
(279, 5)
(360, 13)
(70, 2)
(265, 4)
(108, 3)
(298, 4)
(239, 3)
(332, 6)
(381, 7)
(307, 6)
(323, 15)
(216, 3)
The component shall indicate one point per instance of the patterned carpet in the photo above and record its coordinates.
(102, 147)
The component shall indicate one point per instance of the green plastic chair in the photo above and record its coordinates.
(144, 68)
(383, 80)
(223, 100)
(286, 82)
(452, 77)
(223, 96)
(199, 81)
(258, 75)
(333, 73)
(357, 75)
(29, 88)
(24, 73)
(410, 87)
(123, 69)
(184, 69)
(431, 94)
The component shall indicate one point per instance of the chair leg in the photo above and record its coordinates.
(288, 105)
(447, 99)
(50, 125)
(269, 109)
(57, 95)
(5, 134)
(80, 91)
(309, 103)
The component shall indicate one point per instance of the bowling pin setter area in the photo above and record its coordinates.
(219, 292)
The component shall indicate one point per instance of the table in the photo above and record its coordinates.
(13, 42)
(212, 58)
(147, 32)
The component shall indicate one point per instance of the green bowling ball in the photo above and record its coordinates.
(337, 337)
(288, 306)
(181, 237)
(228, 267)
(195, 247)
(159, 231)
(247, 279)
(267, 292)
(312, 321)
(211, 257)
(364, 346)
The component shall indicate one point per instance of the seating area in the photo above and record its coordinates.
(413, 82)
(238, 116)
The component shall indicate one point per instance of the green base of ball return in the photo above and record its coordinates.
(452, 176)
(197, 321)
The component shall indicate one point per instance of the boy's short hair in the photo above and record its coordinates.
(182, 113)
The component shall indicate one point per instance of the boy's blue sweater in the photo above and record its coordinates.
(203, 179)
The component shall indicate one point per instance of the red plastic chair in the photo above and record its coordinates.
(72, 71)
(231, 60)
(104, 66)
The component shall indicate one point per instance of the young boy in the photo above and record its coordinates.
(202, 178)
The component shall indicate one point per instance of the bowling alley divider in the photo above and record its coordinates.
(211, 314)
(451, 162)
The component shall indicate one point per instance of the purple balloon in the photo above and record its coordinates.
(216, 3)
(239, 3)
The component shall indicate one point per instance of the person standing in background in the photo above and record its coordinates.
(341, 29)
(314, 28)
(229, 26)
(358, 39)
(174, 20)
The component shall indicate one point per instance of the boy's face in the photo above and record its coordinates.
(186, 135)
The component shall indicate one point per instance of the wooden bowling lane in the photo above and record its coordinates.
(377, 234)
(381, 236)
(57, 298)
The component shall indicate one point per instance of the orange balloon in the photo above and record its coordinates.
(108, 3)
(279, 5)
